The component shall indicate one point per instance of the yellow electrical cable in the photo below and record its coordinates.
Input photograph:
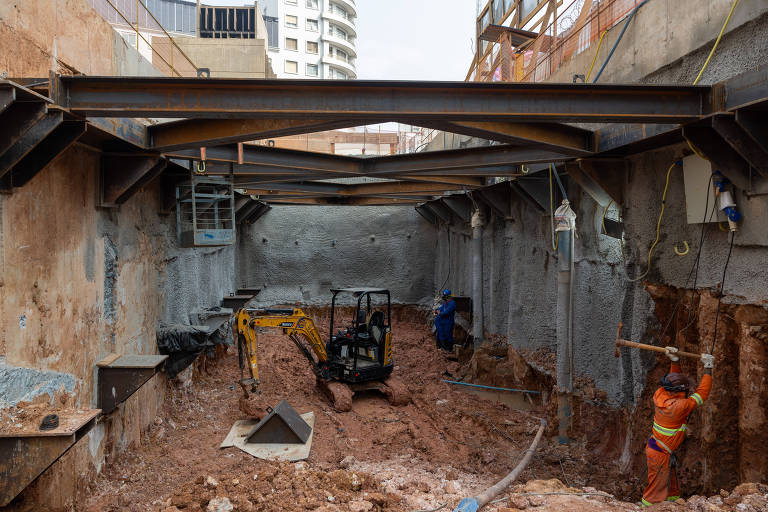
(682, 253)
(599, 43)
(605, 210)
(658, 226)
(717, 42)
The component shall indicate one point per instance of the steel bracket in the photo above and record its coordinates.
(121, 376)
(26, 453)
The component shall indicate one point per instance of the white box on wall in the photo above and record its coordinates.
(696, 176)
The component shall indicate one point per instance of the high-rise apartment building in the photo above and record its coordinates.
(312, 38)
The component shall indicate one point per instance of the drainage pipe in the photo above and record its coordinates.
(481, 386)
(564, 332)
(477, 502)
(477, 277)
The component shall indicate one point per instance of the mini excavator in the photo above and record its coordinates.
(356, 358)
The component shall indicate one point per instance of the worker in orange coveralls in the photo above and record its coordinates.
(673, 405)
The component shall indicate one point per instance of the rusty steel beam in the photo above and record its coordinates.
(36, 159)
(344, 201)
(31, 139)
(723, 157)
(194, 133)
(276, 158)
(742, 142)
(457, 161)
(123, 176)
(379, 100)
(563, 138)
(363, 189)
(264, 180)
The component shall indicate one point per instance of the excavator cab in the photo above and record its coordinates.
(362, 351)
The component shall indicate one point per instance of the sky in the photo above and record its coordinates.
(410, 39)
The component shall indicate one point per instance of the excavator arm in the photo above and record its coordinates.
(294, 322)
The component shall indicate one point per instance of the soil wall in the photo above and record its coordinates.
(78, 282)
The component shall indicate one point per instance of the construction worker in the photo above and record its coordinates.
(444, 321)
(673, 405)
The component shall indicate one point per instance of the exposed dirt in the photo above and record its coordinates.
(446, 444)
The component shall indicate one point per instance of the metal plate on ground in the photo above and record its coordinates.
(269, 451)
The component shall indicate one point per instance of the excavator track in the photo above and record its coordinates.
(339, 393)
(396, 392)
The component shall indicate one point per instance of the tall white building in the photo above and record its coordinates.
(312, 38)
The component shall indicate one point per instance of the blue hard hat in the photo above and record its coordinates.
(447, 293)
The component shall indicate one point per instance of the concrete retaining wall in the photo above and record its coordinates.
(297, 253)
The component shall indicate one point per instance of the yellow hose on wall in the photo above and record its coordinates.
(717, 42)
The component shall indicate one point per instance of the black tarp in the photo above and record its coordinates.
(183, 343)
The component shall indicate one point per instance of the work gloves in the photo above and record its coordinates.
(671, 354)
(708, 360)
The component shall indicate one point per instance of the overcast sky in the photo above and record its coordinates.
(410, 39)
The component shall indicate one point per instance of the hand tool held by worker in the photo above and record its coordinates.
(671, 353)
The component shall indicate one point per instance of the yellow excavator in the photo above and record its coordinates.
(357, 357)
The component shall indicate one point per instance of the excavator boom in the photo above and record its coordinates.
(294, 322)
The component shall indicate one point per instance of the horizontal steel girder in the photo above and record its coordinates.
(344, 201)
(362, 189)
(380, 100)
(194, 133)
(460, 161)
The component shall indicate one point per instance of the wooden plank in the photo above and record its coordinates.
(111, 358)
(70, 421)
(139, 361)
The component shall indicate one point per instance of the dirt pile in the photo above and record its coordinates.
(445, 445)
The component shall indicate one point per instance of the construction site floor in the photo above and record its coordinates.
(445, 445)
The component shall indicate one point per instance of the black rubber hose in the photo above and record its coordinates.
(624, 29)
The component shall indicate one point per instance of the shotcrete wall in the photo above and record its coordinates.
(520, 266)
(297, 253)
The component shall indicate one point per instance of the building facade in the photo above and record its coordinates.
(312, 38)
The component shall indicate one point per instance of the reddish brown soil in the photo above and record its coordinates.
(445, 445)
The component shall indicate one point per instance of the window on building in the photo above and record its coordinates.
(312, 47)
(311, 69)
(340, 33)
(130, 38)
(526, 7)
(341, 55)
(291, 66)
(311, 4)
(273, 31)
(291, 44)
(291, 21)
(339, 11)
(312, 25)
(339, 75)
(290, 2)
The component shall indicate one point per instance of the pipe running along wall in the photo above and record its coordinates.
(564, 318)
(477, 277)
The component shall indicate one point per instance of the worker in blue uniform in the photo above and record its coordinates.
(444, 321)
